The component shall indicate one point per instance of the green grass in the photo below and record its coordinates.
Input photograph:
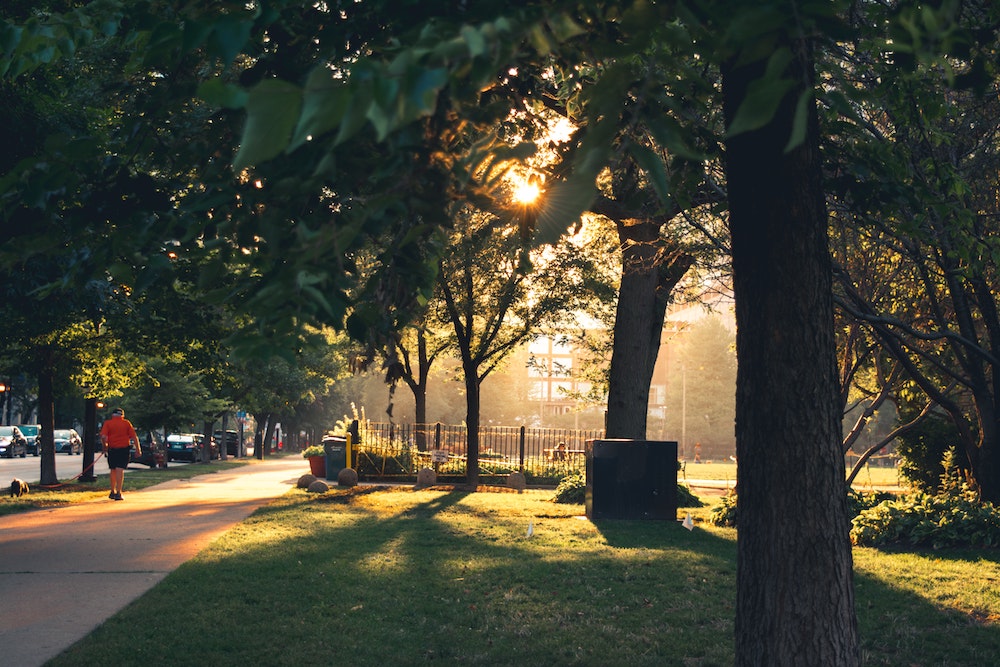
(72, 491)
(868, 477)
(379, 576)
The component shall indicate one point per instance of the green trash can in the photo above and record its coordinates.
(335, 449)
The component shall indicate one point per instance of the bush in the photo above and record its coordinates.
(859, 501)
(922, 449)
(724, 514)
(687, 499)
(572, 489)
(922, 520)
(955, 517)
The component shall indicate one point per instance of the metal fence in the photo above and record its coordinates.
(387, 450)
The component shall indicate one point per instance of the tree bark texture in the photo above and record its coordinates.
(795, 593)
(651, 268)
(472, 404)
(46, 419)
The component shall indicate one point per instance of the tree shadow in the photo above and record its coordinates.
(456, 577)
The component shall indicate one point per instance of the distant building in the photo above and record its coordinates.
(554, 383)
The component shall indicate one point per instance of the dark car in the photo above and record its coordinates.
(67, 441)
(12, 442)
(154, 453)
(232, 440)
(187, 447)
(30, 433)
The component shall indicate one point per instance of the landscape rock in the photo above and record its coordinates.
(347, 477)
(516, 480)
(306, 480)
(319, 486)
(426, 477)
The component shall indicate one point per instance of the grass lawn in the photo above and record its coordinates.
(869, 476)
(396, 576)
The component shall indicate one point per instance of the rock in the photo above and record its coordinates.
(347, 477)
(319, 486)
(306, 480)
(426, 477)
(516, 480)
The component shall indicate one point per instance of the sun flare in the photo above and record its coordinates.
(527, 191)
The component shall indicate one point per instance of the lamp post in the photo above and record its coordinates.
(3, 399)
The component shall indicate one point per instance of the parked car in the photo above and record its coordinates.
(232, 440)
(154, 452)
(187, 447)
(67, 441)
(30, 433)
(12, 442)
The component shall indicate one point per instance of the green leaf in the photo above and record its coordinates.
(324, 103)
(564, 27)
(474, 41)
(221, 94)
(763, 96)
(800, 123)
(272, 112)
(653, 166)
(229, 35)
(673, 138)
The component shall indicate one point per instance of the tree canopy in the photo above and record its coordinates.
(322, 133)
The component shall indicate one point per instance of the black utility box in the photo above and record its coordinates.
(335, 449)
(632, 479)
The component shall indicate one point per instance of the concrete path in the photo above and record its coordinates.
(64, 571)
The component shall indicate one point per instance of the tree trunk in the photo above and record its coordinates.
(650, 271)
(795, 592)
(46, 434)
(986, 464)
(472, 399)
(419, 388)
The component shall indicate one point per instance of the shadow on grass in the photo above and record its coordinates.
(403, 578)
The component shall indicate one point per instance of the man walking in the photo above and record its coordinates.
(117, 435)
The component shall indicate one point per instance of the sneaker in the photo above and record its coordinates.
(118, 496)
(111, 495)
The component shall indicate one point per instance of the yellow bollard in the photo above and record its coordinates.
(348, 450)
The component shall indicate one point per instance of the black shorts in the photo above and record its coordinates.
(118, 457)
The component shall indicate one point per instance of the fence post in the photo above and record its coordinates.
(437, 435)
(522, 447)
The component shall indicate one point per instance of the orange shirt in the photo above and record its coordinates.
(118, 432)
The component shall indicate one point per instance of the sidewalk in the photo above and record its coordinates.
(64, 571)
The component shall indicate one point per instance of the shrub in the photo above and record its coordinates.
(955, 517)
(724, 514)
(572, 489)
(922, 450)
(934, 521)
(685, 498)
(859, 501)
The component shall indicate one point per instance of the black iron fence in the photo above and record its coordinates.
(387, 450)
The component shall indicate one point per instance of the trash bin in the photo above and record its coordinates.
(631, 479)
(335, 449)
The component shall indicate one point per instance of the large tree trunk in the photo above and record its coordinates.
(795, 593)
(472, 400)
(650, 270)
